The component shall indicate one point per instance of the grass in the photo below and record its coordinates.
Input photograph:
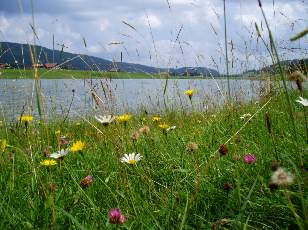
(171, 187)
(78, 74)
(81, 74)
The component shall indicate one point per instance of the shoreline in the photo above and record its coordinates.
(85, 74)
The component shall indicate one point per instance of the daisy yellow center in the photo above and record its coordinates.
(132, 162)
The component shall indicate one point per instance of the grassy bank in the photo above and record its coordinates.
(80, 74)
(183, 180)
(62, 74)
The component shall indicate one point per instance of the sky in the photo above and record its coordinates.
(161, 33)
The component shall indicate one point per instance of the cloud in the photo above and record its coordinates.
(151, 19)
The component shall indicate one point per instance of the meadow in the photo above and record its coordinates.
(213, 170)
(242, 165)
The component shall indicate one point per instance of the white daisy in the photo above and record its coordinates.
(105, 120)
(171, 128)
(131, 158)
(245, 115)
(59, 154)
(302, 101)
(282, 177)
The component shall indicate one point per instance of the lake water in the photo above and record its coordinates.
(120, 95)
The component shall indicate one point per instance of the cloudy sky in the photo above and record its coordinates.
(165, 33)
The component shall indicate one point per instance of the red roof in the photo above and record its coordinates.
(50, 65)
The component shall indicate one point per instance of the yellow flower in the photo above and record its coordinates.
(26, 118)
(78, 124)
(189, 92)
(124, 118)
(3, 144)
(77, 146)
(48, 162)
(163, 126)
(57, 132)
(156, 118)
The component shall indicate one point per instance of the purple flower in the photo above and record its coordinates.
(87, 181)
(116, 217)
(250, 158)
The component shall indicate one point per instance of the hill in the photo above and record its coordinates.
(19, 56)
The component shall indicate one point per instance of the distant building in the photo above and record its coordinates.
(50, 65)
(37, 65)
(4, 66)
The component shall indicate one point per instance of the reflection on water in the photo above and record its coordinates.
(119, 95)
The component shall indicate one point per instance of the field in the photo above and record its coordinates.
(78, 74)
(81, 74)
(193, 176)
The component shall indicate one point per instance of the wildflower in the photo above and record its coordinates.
(223, 149)
(275, 165)
(3, 144)
(131, 158)
(26, 118)
(144, 130)
(105, 120)
(228, 186)
(59, 154)
(57, 132)
(48, 162)
(245, 115)
(189, 93)
(116, 216)
(87, 181)
(47, 151)
(250, 158)
(135, 136)
(78, 124)
(303, 101)
(192, 147)
(281, 177)
(63, 141)
(156, 118)
(124, 118)
(164, 126)
(171, 128)
(77, 146)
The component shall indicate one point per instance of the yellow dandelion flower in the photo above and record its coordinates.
(77, 124)
(163, 126)
(48, 162)
(3, 144)
(26, 118)
(156, 118)
(77, 146)
(124, 118)
(189, 93)
(57, 132)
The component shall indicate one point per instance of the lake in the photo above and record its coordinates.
(86, 96)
